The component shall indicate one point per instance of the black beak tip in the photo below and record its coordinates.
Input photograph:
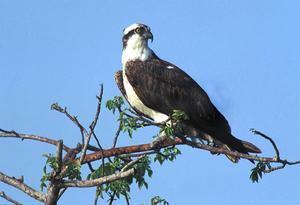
(151, 37)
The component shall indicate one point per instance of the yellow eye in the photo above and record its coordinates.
(138, 30)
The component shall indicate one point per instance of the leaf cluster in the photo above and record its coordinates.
(258, 170)
(168, 154)
(115, 104)
(53, 163)
(158, 200)
(121, 187)
(73, 169)
(179, 115)
(128, 124)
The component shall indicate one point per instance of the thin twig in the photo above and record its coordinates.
(92, 125)
(61, 192)
(268, 138)
(143, 153)
(291, 163)
(76, 122)
(93, 148)
(112, 198)
(90, 167)
(127, 199)
(101, 149)
(274, 168)
(131, 163)
(99, 97)
(96, 196)
(117, 134)
(97, 140)
(83, 152)
(4, 196)
(71, 154)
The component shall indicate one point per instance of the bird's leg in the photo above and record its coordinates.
(196, 139)
(211, 143)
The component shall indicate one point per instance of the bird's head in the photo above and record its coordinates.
(136, 35)
(135, 43)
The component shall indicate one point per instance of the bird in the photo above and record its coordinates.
(154, 88)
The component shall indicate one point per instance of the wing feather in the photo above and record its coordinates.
(164, 87)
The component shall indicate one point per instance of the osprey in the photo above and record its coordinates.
(155, 88)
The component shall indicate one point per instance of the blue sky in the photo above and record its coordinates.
(245, 54)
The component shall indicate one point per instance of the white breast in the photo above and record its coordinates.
(137, 103)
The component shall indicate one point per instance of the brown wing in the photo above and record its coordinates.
(163, 87)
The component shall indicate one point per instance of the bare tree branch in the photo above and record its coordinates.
(57, 185)
(22, 186)
(59, 154)
(97, 141)
(268, 138)
(99, 97)
(13, 134)
(179, 141)
(99, 181)
(274, 168)
(117, 134)
(131, 163)
(54, 185)
(92, 125)
(128, 150)
(74, 119)
(83, 152)
(4, 196)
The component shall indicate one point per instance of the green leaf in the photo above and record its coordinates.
(258, 170)
(129, 124)
(55, 106)
(160, 158)
(169, 154)
(158, 200)
(52, 162)
(115, 103)
(43, 182)
(179, 115)
(150, 172)
(168, 131)
(99, 191)
(73, 170)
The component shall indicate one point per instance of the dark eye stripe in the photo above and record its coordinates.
(130, 33)
(126, 37)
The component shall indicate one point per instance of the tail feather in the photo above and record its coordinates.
(241, 146)
(250, 147)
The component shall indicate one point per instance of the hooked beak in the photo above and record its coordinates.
(148, 35)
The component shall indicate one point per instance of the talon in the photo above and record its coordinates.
(157, 140)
